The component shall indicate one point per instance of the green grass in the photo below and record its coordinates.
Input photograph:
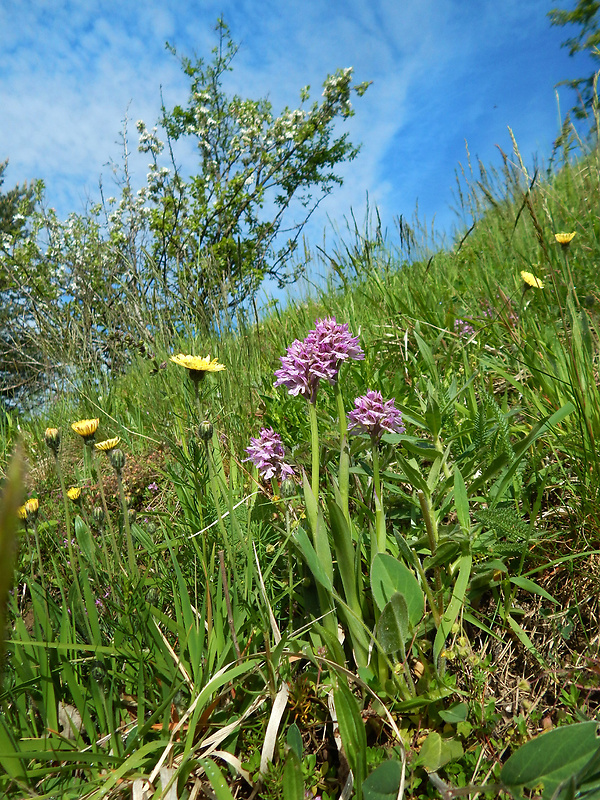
(462, 570)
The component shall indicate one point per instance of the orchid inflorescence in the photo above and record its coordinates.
(319, 356)
(266, 453)
(375, 416)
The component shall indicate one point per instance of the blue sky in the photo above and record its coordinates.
(443, 71)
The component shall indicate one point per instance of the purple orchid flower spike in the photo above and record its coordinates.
(319, 356)
(375, 416)
(266, 453)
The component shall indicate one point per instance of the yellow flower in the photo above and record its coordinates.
(32, 506)
(86, 427)
(531, 280)
(74, 493)
(197, 366)
(29, 509)
(107, 444)
(564, 239)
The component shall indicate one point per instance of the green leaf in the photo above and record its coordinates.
(85, 541)
(534, 588)
(553, 759)
(426, 354)
(217, 781)
(393, 629)
(461, 501)
(9, 503)
(344, 551)
(525, 640)
(303, 543)
(454, 607)
(294, 739)
(384, 782)
(412, 473)
(437, 751)
(352, 731)
(388, 576)
(11, 757)
(522, 447)
(455, 714)
(293, 782)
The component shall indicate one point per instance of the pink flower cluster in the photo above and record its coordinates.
(463, 328)
(266, 453)
(319, 356)
(375, 416)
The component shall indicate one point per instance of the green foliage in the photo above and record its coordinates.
(585, 16)
(216, 234)
(384, 782)
(563, 763)
(19, 357)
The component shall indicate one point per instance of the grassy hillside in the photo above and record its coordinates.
(410, 609)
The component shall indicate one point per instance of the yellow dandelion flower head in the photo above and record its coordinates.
(32, 505)
(564, 239)
(29, 509)
(74, 493)
(107, 444)
(531, 280)
(197, 363)
(86, 427)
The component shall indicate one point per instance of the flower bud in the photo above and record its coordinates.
(52, 437)
(288, 488)
(205, 430)
(98, 515)
(117, 459)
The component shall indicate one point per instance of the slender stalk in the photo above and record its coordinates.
(437, 443)
(63, 490)
(111, 530)
(437, 619)
(432, 535)
(288, 534)
(314, 437)
(228, 604)
(197, 399)
(344, 470)
(215, 493)
(39, 555)
(380, 532)
(73, 556)
(127, 527)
